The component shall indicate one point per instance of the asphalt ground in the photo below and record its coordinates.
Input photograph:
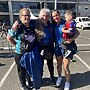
(80, 70)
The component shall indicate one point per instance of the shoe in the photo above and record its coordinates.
(30, 84)
(25, 88)
(73, 60)
(36, 89)
(67, 86)
(58, 82)
(53, 80)
(67, 53)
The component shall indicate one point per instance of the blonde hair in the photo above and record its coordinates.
(71, 12)
(24, 9)
(45, 10)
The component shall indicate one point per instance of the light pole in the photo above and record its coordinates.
(55, 7)
(77, 6)
(45, 3)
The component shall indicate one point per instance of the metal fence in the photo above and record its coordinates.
(5, 47)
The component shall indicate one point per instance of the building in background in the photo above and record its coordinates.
(9, 9)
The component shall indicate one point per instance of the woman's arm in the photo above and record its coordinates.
(11, 40)
(75, 36)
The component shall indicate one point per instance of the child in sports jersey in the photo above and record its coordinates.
(68, 32)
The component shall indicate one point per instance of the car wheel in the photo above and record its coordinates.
(82, 27)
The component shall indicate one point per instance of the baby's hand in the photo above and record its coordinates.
(70, 29)
(68, 41)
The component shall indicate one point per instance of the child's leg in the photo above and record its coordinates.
(74, 47)
(74, 50)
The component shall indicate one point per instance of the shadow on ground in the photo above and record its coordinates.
(6, 55)
(51, 83)
(1, 64)
(80, 80)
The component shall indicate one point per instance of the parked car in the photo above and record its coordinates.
(82, 22)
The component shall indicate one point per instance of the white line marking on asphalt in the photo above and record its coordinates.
(6, 75)
(83, 62)
(2, 40)
(11, 47)
(83, 44)
(54, 61)
(84, 51)
(85, 37)
(6, 48)
(10, 69)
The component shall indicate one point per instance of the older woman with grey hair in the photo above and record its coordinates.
(46, 46)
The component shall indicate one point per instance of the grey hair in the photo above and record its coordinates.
(45, 10)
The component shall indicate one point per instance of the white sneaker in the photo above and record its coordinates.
(67, 86)
(58, 82)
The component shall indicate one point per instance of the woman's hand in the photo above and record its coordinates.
(15, 26)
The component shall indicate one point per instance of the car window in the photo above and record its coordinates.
(85, 19)
(79, 19)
